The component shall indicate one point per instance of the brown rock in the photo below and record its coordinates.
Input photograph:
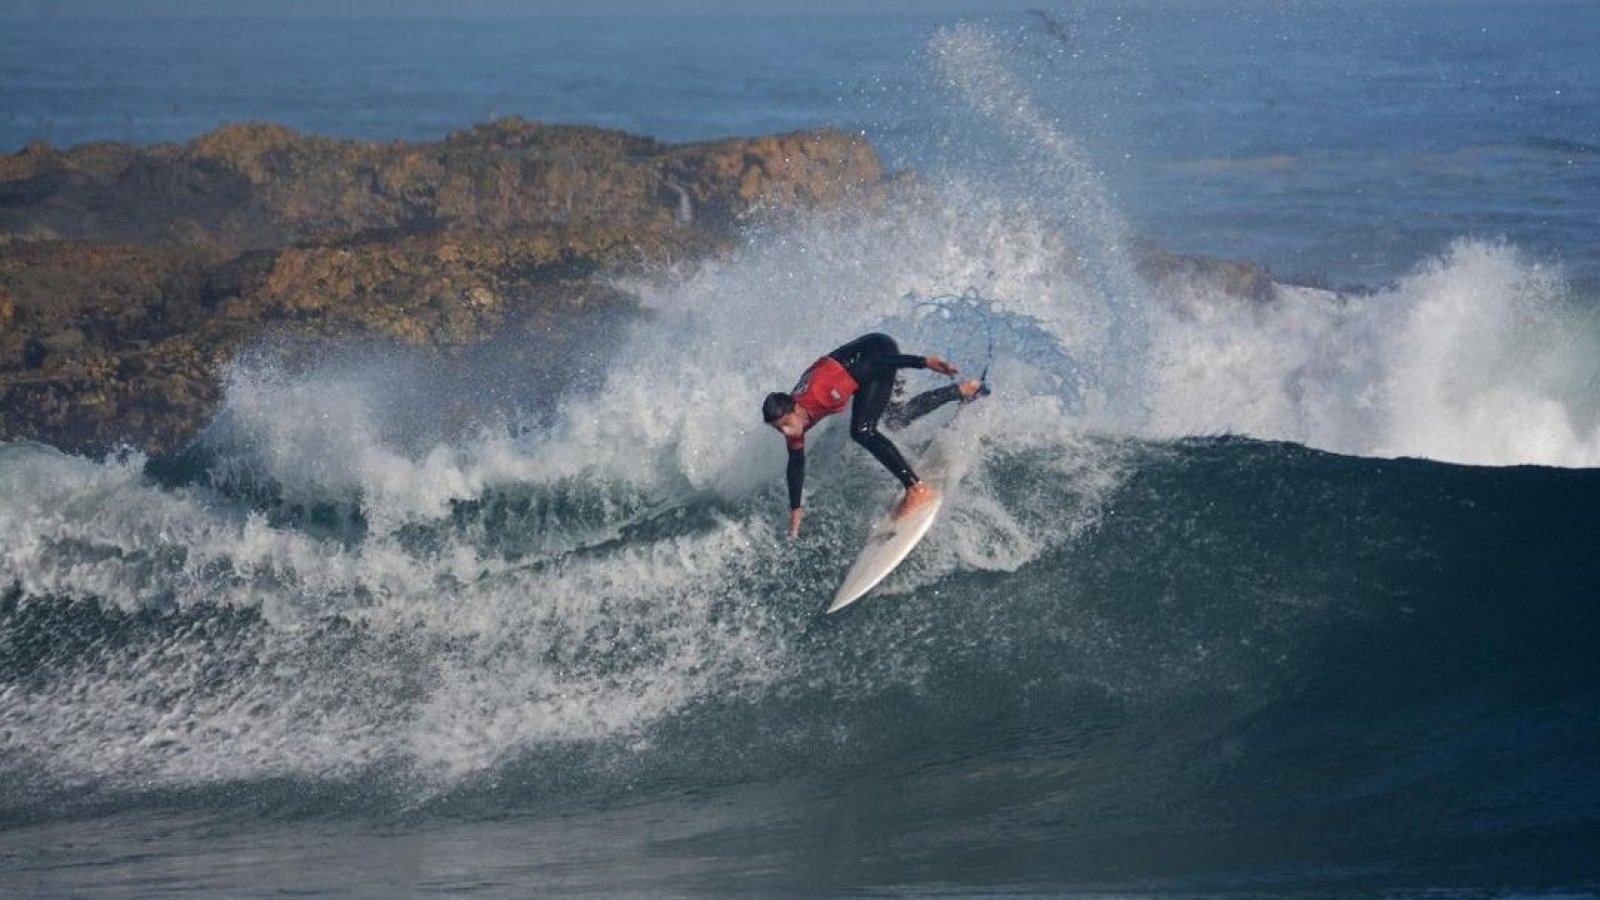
(65, 342)
(1236, 278)
(257, 185)
(176, 257)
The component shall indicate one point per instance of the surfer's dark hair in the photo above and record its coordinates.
(776, 406)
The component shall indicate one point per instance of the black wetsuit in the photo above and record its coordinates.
(873, 361)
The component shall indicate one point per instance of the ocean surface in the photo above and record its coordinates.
(1230, 599)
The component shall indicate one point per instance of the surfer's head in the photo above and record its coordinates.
(781, 412)
(776, 406)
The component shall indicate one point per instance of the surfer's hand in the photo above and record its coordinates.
(940, 366)
(795, 515)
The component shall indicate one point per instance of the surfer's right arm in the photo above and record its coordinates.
(796, 475)
(912, 361)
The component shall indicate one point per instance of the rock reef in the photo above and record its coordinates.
(130, 276)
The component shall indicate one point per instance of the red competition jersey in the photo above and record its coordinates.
(825, 388)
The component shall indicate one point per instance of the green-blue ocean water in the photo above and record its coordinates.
(1287, 596)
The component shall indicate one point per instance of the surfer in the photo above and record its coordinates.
(864, 370)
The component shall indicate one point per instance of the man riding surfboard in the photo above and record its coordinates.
(860, 374)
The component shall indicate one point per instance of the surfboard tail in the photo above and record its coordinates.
(889, 543)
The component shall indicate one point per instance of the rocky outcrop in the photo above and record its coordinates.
(1180, 275)
(257, 186)
(130, 276)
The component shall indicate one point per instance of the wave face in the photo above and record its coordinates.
(1185, 613)
(1113, 654)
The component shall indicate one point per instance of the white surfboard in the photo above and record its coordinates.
(889, 543)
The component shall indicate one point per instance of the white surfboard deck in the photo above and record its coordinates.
(889, 543)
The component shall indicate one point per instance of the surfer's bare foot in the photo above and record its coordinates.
(916, 495)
